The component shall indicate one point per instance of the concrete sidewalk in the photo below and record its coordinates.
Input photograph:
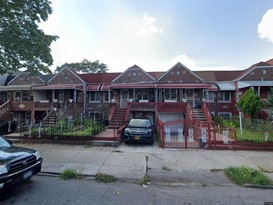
(134, 161)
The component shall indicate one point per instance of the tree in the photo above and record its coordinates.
(22, 43)
(250, 103)
(85, 66)
(270, 102)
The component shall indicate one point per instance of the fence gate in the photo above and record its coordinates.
(174, 135)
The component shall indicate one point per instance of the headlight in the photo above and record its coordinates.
(3, 169)
(149, 131)
(127, 131)
(37, 155)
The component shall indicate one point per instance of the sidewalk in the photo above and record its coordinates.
(132, 162)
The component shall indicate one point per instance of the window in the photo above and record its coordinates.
(223, 96)
(189, 93)
(18, 96)
(142, 94)
(210, 96)
(225, 115)
(105, 115)
(170, 94)
(94, 97)
(106, 96)
(94, 115)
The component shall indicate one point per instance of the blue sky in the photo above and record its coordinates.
(156, 34)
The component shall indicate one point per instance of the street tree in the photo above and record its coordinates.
(23, 45)
(250, 103)
(85, 66)
(270, 102)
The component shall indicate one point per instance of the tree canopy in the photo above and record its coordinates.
(85, 66)
(22, 43)
(270, 102)
(250, 103)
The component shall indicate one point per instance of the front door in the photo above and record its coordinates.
(124, 97)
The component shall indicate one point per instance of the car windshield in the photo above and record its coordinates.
(139, 123)
(3, 143)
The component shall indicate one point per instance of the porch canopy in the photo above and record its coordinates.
(128, 85)
(105, 87)
(188, 85)
(245, 84)
(59, 87)
(226, 86)
(93, 87)
(15, 87)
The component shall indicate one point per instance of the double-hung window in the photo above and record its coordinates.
(94, 96)
(224, 96)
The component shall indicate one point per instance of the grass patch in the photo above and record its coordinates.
(69, 174)
(245, 175)
(105, 178)
(146, 179)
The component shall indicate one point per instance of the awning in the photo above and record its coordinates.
(226, 86)
(93, 87)
(105, 87)
(186, 85)
(15, 87)
(59, 87)
(245, 84)
(128, 85)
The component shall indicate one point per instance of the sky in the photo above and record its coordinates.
(156, 34)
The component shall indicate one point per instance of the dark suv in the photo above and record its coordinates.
(17, 164)
(139, 130)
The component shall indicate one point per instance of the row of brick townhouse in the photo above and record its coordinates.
(26, 98)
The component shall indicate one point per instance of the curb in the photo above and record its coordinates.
(258, 186)
(128, 180)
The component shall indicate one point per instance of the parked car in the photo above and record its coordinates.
(17, 164)
(139, 130)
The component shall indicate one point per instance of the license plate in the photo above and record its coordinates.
(27, 174)
(137, 138)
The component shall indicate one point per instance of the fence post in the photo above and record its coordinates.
(162, 136)
(209, 135)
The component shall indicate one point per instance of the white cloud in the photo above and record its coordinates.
(147, 25)
(165, 64)
(120, 39)
(265, 27)
(185, 60)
